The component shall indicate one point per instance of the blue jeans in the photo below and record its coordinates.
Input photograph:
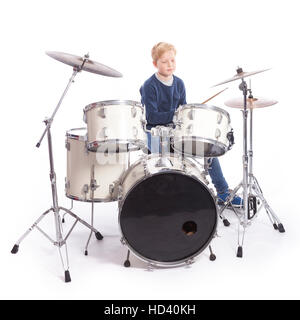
(214, 169)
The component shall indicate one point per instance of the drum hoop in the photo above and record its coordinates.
(85, 200)
(146, 158)
(71, 135)
(206, 107)
(160, 263)
(139, 144)
(112, 102)
(200, 139)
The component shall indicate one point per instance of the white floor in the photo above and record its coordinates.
(268, 270)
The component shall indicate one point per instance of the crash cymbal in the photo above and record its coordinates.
(89, 65)
(240, 74)
(252, 103)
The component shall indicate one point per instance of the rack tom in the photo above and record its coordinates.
(115, 126)
(202, 131)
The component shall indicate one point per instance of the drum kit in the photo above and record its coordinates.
(168, 214)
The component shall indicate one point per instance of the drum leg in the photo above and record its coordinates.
(63, 218)
(212, 256)
(97, 234)
(127, 262)
(239, 253)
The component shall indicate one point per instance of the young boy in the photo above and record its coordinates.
(161, 95)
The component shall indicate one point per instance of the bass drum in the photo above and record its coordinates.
(167, 213)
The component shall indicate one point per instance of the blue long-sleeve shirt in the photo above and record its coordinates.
(161, 100)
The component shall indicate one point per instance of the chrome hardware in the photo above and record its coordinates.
(68, 145)
(189, 129)
(84, 117)
(85, 188)
(218, 133)
(135, 132)
(102, 113)
(120, 192)
(183, 167)
(123, 241)
(104, 132)
(219, 118)
(133, 112)
(191, 114)
(112, 188)
(179, 123)
(67, 184)
(94, 184)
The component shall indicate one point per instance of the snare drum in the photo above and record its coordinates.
(167, 213)
(202, 130)
(115, 126)
(86, 170)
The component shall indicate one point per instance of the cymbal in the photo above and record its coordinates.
(89, 65)
(252, 103)
(240, 74)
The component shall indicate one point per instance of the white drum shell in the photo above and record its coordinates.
(115, 122)
(202, 123)
(147, 166)
(108, 168)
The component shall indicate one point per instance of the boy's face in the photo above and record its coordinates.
(166, 64)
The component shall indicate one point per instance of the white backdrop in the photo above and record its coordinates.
(212, 39)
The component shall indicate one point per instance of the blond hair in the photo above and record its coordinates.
(160, 48)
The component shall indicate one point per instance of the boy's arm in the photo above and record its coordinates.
(154, 116)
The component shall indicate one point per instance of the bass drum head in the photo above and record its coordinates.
(168, 218)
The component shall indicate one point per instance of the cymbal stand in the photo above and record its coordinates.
(60, 240)
(249, 183)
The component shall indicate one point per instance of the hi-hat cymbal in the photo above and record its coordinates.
(252, 103)
(239, 75)
(89, 65)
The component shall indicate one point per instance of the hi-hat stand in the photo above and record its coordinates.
(60, 240)
(252, 191)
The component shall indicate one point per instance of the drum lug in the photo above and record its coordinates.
(133, 112)
(218, 133)
(102, 113)
(85, 188)
(68, 145)
(123, 241)
(105, 132)
(230, 138)
(135, 132)
(189, 129)
(86, 147)
(94, 184)
(112, 188)
(179, 123)
(146, 170)
(120, 192)
(191, 114)
(84, 116)
(219, 118)
(67, 184)
(189, 262)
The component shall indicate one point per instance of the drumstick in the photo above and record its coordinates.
(213, 96)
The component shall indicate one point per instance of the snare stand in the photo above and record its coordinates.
(249, 183)
(60, 241)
